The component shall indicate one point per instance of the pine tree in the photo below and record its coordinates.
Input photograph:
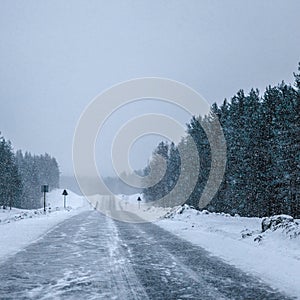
(10, 182)
(262, 175)
(35, 171)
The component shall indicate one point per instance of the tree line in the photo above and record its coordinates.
(262, 175)
(21, 176)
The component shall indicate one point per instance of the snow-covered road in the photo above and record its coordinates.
(90, 256)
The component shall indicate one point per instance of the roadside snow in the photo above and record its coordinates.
(140, 208)
(19, 227)
(115, 205)
(275, 258)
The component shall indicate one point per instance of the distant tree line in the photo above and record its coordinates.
(21, 176)
(262, 174)
(117, 186)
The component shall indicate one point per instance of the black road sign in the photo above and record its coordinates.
(45, 188)
(65, 193)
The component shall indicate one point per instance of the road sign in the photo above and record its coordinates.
(65, 194)
(139, 201)
(44, 189)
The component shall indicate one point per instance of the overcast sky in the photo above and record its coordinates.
(56, 56)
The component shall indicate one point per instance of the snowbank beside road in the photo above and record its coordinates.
(19, 227)
(275, 258)
(142, 209)
(73, 201)
(54, 203)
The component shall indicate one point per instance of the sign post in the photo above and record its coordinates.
(10, 201)
(139, 201)
(65, 194)
(45, 189)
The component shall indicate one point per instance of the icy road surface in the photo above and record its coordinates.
(90, 256)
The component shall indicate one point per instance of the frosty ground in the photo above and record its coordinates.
(274, 257)
(19, 227)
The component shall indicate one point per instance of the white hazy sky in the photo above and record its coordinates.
(55, 56)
